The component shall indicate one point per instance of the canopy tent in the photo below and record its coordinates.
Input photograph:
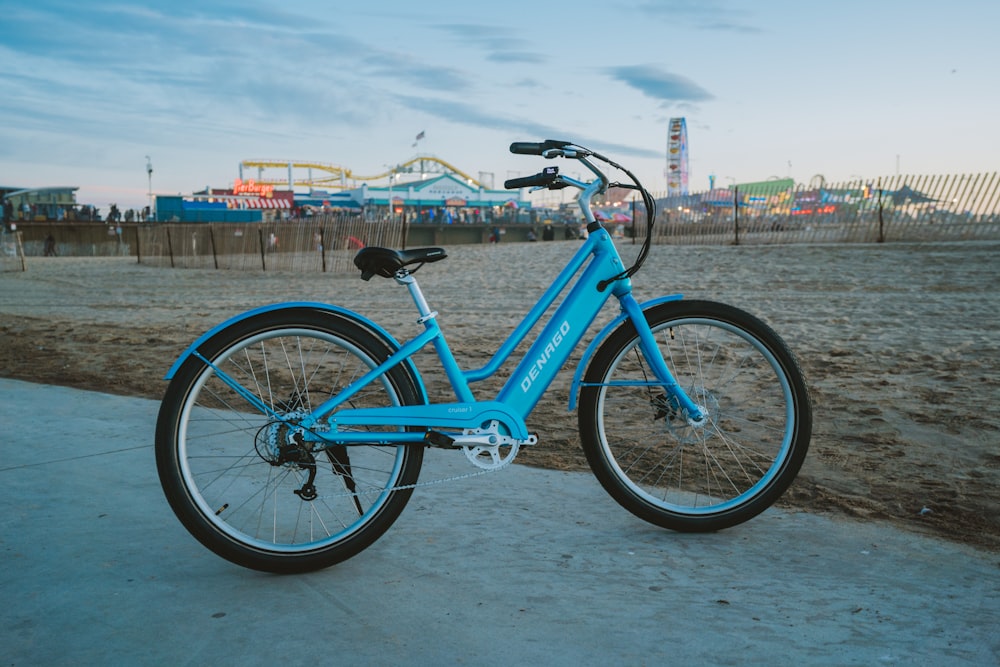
(908, 195)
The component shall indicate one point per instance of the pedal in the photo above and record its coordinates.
(438, 439)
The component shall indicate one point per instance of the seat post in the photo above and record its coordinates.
(404, 277)
(428, 318)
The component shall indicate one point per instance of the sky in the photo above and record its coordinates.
(773, 88)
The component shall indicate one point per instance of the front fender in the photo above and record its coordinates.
(360, 319)
(599, 338)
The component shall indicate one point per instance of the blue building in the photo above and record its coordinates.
(443, 198)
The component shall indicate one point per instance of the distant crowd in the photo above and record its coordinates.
(81, 213)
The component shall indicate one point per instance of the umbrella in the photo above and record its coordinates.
(908, 194)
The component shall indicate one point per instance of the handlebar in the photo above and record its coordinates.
(549, 178)
(546, 177)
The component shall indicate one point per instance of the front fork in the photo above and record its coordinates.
(651, 351)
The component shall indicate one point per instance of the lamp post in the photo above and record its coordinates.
(149, 193)
(392, 176)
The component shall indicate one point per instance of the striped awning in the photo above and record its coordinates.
(259, 202)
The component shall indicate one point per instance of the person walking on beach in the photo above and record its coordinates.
(50, 246)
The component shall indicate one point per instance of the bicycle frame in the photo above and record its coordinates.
(532, 375)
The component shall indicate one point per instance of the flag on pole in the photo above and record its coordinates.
(419, 137)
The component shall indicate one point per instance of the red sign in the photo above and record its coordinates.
(251, 187)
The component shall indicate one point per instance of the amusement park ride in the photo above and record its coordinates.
(677, 157)
(321, 175)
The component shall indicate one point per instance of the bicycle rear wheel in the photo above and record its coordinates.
(691, 477)
(247, 485)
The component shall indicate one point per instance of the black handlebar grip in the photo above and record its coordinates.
(536, 148)
(529, 181)
(526, 148)
(555, 143)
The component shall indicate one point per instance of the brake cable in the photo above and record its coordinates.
(649, 203)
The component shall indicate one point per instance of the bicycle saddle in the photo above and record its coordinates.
(375, 261)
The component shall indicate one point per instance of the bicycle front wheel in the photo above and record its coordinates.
(696, 477)
(244, 481)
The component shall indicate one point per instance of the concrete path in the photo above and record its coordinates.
(521, 567)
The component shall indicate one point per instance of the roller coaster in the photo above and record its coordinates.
(333, 176)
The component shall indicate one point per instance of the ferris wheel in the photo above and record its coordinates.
(677, 157)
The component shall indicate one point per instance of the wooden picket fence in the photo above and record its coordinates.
(325, 243)
(11, 251)
(893, 209)
(900, 208)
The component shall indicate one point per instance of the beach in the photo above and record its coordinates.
(898, 344)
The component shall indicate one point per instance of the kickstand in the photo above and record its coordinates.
(342, 466)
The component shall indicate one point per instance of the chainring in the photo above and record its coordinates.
(499, 453)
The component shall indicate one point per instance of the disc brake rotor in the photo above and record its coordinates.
(684, 430)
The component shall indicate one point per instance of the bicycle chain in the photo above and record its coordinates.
(415, 485)
(506, 461)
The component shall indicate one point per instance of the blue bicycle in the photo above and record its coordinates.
(292, 436)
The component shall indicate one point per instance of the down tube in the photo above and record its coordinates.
(548, 354)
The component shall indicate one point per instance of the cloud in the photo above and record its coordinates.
(709, 15)
(529, 82)
(476, 116)
(523, 57)
(405, 69)
(659, 84)
(143, 72)
(502, 45)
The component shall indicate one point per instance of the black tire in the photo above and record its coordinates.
(696, 478)
(237, 479)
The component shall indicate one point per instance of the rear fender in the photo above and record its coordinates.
(350, 314)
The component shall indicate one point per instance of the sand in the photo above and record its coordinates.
(898, 342)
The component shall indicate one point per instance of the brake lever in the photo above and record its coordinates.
(557, 184)
(571, 153)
